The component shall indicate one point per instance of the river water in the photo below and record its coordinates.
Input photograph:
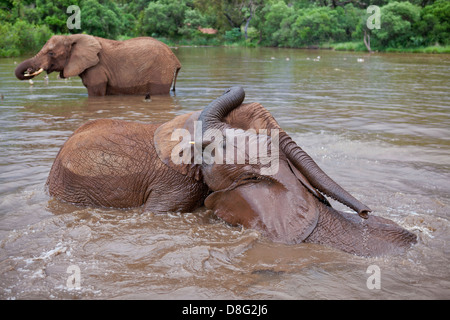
(379, 127)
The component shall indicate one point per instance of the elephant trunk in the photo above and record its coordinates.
(213, 115)
(22, 68)
(27, 70)
(319, 179)
(374, 236)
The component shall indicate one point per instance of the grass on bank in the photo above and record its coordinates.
(343, 46)
(359, 46)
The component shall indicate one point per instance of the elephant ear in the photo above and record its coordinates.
(174, 145)
(83, 54)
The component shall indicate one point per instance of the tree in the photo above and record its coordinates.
(230, 13)
(162, 18)
(21, 38)
(193, 20)
(101, 18)
(398, 22)
(348, 18)
(53, 14)
(434, 25)
(362, 29)
(276, 26)
(315, 26)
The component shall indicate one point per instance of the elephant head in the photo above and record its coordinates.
(286, 204)
(70, 55)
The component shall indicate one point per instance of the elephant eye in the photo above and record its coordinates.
(51, 53)
(254, 178)
(258, 178)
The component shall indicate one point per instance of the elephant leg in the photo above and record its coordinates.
(175, 78)
(95, 81)
(181, 194)
(97, 90)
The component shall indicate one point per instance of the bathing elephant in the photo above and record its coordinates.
(107, 67)
(199, 159)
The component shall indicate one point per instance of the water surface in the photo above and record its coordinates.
(380, 128)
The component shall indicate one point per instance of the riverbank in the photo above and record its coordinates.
(355, 46)
(405, 26)
(359, 46)
(341, 46)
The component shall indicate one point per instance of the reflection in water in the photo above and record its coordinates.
(380, 128)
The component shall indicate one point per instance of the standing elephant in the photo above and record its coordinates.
(115, 163)
(107, 67)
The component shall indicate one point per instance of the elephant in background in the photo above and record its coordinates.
(107, 67)
(116, 163)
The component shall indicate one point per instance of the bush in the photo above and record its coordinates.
(50, 13)
(8, 41)
(22, 38)
(101, 19)
(162, 18)
(349, 46)
(193, 19)
(348, 18)
(434, 25)
(315, 26)
(233, 36)
(398, 22)
(277, 25)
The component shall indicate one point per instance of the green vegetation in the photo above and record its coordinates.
(406, 26)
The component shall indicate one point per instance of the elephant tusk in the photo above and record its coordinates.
(34, 73)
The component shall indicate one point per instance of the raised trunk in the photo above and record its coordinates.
(215, 112)
(319, 179)
(374, 236)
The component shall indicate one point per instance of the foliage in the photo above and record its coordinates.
(434, 25)
(234, 35)
(21, 38)
(278, 18)
(349, 46)
(25, 25)
(101, 18)
(193, 20)
(314, 26)
(399, 20)
(51, 13)
(162, 18)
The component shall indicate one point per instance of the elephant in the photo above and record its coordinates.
(123, 164)
(107, 67)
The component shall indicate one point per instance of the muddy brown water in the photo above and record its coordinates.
(380, 128)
